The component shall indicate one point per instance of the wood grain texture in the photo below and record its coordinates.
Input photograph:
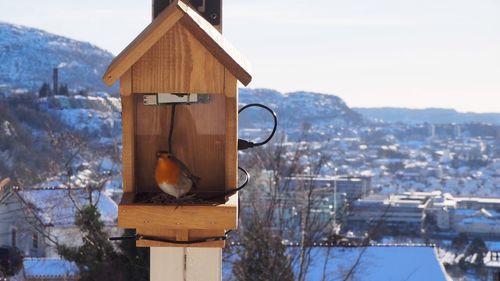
(198, 141)
(177, 217)
(178, 63)
(216, 44)
(146, 39)
(128, 135)
(231, 159)
(150, 244)
(171, 234)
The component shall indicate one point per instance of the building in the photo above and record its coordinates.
(381, 262)
(406, 210)
(353, 187)
(478, 203)
(477, 222)
(46, 269)
(34, 219)
(476, 216)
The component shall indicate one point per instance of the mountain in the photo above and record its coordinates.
(28, 55)
(297, 108)
(429, 115)
(42, 132)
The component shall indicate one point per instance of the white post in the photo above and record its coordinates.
(185, 264)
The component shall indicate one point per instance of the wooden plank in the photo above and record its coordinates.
(203, 264)
(167, 264)
(189, 264)
(150, 244)
(177, 217)
(217, 45)
(178, 63)
(231, 159)
(128, 129)
(135, 50)
(182, 235)
(171, 234)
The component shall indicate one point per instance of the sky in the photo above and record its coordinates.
(398, 53)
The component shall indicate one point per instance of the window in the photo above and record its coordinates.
(35, 240)
(13, 237)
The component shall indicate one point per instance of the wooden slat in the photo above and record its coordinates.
(128, 128)
(172, 234)
(177, 217)
(231, 161)
(216, 44)
(182, 235)
(147, 243)
(135, 50)
(178, 62)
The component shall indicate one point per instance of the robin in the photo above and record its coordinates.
(172, 176)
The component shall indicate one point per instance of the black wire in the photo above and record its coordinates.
(157, 239)
(233, 191)
(244, 144)
(171, 132)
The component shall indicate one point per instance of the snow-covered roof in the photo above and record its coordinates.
(378, 263)
(49, 268)
(57, 206)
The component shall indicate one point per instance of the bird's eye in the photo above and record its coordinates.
(160, 153)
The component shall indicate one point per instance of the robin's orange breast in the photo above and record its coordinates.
(167, 171)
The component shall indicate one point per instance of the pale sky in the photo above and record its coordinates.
(402, 53)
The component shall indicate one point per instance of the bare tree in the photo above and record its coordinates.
(287, 205)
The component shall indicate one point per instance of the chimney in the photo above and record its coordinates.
(55, 81)
(211, 10)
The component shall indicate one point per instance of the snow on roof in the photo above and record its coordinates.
(56, 207)
(378, 263)
(49, 268)
(479, 199)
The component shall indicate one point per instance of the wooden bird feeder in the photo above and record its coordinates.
(179, 58)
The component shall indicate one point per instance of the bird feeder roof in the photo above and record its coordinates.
(180, 13)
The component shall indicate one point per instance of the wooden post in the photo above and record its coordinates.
(185, 264)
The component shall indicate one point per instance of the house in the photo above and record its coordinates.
(480, 222)
(405, 212)
(33, 220)
(382, 262)
(47, 269)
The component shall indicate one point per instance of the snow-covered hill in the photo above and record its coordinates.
(46, 132)
(28, 55)
(299, 108)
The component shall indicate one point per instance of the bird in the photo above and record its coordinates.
(172, 176)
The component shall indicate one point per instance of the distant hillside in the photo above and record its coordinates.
(28, 55)
(297, 108)
(429, 115)
(30, 129)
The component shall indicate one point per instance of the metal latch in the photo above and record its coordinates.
(169, 98)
